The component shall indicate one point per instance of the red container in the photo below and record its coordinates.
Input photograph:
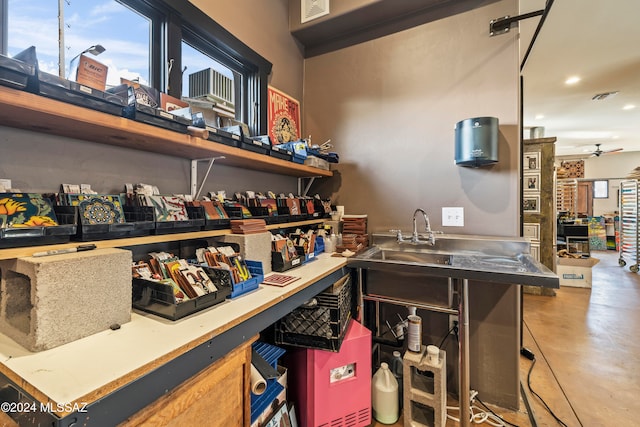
(333, 389)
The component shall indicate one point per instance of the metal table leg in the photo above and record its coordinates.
(463, 352)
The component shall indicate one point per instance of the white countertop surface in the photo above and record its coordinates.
(87, 369)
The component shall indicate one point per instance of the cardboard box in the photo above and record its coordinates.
(575, 272)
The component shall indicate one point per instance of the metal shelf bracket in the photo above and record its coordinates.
(195, 189)
(304, 192)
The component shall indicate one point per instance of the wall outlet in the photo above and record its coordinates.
(453, 319)
(453, 217)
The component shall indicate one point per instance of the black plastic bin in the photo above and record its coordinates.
(158, 298)
(322, 322)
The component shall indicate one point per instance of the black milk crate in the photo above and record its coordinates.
(40, 235)
(322, 322)
(158, 298)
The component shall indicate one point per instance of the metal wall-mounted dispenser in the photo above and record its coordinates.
(477, 141)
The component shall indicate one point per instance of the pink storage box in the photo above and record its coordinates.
(333, 389)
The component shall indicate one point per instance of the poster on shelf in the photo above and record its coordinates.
(283, 117)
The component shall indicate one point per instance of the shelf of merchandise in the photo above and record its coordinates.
(567, 196)
(629, 232)
(28, 111)
(10, 253)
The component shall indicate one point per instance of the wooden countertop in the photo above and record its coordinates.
(88, 369)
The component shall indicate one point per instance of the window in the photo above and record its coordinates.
(148, 40)
(123, 32)
(206, 79)
(601, 189)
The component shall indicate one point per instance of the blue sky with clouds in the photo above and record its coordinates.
(124, 34)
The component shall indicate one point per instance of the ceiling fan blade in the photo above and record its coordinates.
(615, 150)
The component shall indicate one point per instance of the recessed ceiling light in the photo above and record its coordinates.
(629, 107)
(539, 116)
(572, 80)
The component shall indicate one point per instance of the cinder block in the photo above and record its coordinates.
(424, 389)
(52, 300)
(255, 247)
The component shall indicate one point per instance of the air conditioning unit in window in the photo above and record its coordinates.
(213, 86)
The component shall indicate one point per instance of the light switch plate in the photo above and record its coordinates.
(453, 217)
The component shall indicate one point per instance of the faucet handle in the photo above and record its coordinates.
(398, 233)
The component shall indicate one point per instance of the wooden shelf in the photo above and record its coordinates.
(25, 110)
(11, 253)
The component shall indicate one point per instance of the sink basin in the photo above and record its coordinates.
(484, 258)
(410, 257)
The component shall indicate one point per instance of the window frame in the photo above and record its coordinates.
(171, 20)
(596, 191)
(181, 20)
(207, 35)
(4, 27)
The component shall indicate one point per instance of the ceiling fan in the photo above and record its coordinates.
(598, 152)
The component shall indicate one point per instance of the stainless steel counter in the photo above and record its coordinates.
(483, 258)
(459, 258)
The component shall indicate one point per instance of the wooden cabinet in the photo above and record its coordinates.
(217, 396)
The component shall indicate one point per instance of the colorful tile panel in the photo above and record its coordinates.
(98, 208)
(26, 210)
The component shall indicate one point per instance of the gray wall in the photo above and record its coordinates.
(390, 106)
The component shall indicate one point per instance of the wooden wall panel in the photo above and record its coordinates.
(217, 396)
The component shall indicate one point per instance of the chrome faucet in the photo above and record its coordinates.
(415, 237)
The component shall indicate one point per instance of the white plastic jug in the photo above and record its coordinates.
(384, 395)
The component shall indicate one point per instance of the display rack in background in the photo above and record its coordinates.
(567, 196)
(629, 237)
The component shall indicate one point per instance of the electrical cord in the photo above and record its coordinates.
(479, 416)
(491, 410)
(529, 355)
(533, 363)
(453, 329)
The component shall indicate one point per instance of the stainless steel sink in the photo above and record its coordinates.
(410, 256)
(484, 258)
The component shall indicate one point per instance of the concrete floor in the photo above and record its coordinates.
(587, 352)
